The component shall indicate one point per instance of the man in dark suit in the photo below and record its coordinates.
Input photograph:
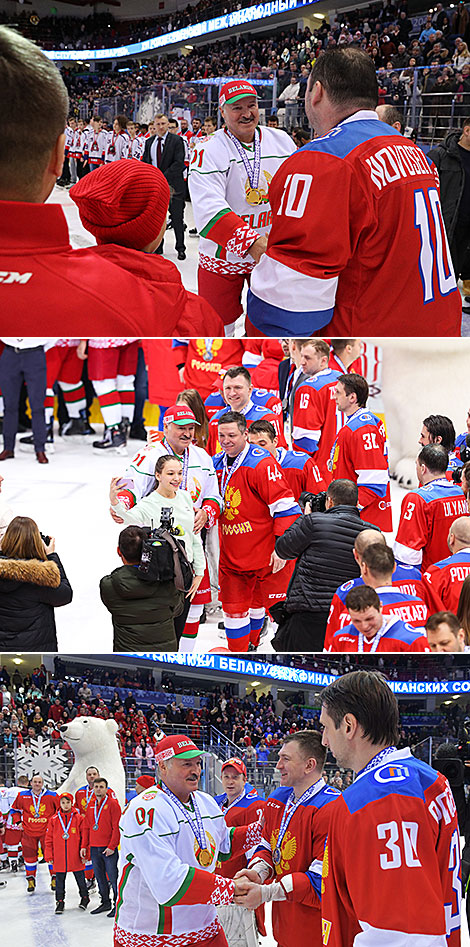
(166, 152)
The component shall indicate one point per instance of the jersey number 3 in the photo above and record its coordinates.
(434, 266)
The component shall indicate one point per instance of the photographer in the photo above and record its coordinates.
(323, 545)
(32, 584)
(167, 500)
(143, 612)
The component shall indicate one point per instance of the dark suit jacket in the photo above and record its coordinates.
(172, 165)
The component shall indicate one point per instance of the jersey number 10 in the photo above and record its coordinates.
(432, 262)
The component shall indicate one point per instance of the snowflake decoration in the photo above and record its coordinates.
(44, 759)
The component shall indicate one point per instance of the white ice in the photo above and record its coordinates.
(29, 920)
(68, 498)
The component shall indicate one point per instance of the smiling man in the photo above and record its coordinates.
(290, 854)
(229, 178)
(172, 836)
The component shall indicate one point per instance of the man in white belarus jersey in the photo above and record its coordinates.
(172, 836)
(229, 178)
(199, 478)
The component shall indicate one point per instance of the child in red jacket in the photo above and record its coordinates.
(63, 844)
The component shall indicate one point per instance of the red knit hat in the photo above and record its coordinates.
(145, 781)
(234, 90)
(125, 202)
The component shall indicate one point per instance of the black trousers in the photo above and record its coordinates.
(301, 631)
(177, 222)
(28, 365)
(180, 621)
(60, 884)
(460, 251)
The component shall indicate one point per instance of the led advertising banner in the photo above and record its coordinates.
(278, 672)
(260, 11)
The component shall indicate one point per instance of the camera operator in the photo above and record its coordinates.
(323, 545)
(143, 612)
(153, 510)
(452, 761)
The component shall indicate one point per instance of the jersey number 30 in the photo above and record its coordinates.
(434, 266)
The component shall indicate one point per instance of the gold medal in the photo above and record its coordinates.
(253, 195)
(204, 857)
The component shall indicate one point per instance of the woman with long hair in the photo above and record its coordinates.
(192, 398)
(32, 583)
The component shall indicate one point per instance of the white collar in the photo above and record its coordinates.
(362, 115)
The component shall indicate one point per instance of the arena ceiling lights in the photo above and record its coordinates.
(261, 11)
(279, 672)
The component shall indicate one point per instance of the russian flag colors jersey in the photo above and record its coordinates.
(426, 515)
(399, 636)
(259, 506)
(205, 358)
(444, 580)
(391, 869)
(381, 253)
(396, 600)
(315, 420)
(360, 454)
(300, 471)
(259, 396)
(244, 811)
(252, 412)
(35, 824)
(300, 867)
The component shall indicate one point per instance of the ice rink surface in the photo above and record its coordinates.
(79, 237)
(29, 920)
(69, 500)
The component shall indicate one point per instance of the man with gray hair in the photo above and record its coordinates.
(102, 291)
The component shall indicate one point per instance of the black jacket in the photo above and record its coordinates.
(142, 612)
(323, 545)
(172, 164)
(29, 591)
(448, 162)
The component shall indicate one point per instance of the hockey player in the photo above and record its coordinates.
(405, 579)
(388, 227)
(63, 844)
(291, 851)
(96, 143)
(200, 361)
(112, 364)
(438, 429)
(118, 141)
(100, 840)
(369, 631)
(13, 823)
(64, 367)
(237, 393)
(444, 579)
(199, 479)
(229, 181)
(377, 568)
(393, 832)
(241, 805)
(360, 452)
(428, 512)
(315, 420)
(172, 837)
(300, 470)
(344, 355)
(36, 806)
(258, 506)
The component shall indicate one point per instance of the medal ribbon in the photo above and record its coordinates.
(196, 825)
(66, 829)
(208, 343)
(36, 806)
(292, 806)
(184, 461)
(253, 171)
(227, 471)
(230, 804)
(98, 815)
(88, 793)
(375, 644)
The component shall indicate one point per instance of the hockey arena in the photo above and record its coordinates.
(234, 709)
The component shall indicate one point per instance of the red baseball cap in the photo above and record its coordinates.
(145, 781)
(236, 763)
(179, 414)
(180, 746)
(234, 90)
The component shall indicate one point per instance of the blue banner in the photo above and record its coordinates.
(236, 18)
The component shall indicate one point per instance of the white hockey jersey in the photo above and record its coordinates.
(229, 213)
(117, 146)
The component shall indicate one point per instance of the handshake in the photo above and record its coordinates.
(248, 889)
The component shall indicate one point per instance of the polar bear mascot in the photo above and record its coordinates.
(421, 377)
(93, 743)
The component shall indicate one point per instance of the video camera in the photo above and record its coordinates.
(464, 457)
(163, 557)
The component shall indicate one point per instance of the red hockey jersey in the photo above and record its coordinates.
(36, 810)
(204, 358)
(391, 869)
(360, 454)
(394, 636)
(252, 412)
(299, 869)
(315, 420)
(425, 518)
(395, 604)
(246, 810)
(83, 797)
(382, 267)
(444, 580)
(259, 506)
(300, 471)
